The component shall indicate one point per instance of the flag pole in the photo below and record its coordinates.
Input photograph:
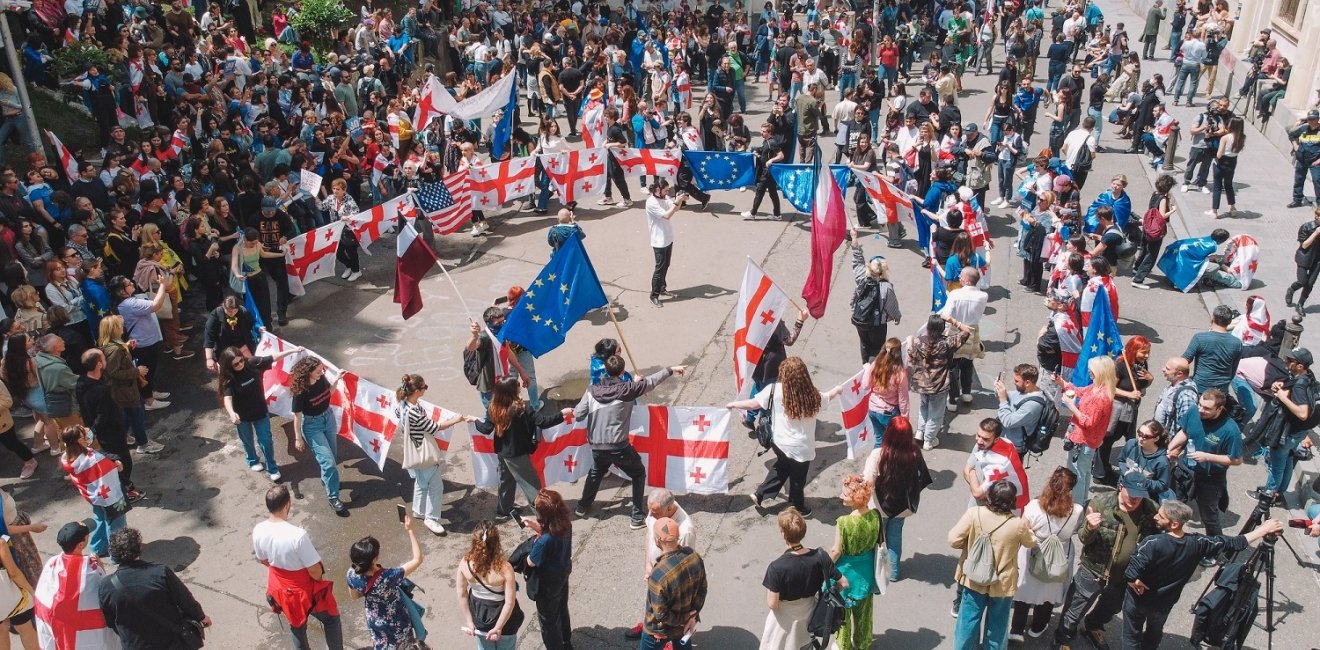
(609, 308)
(786, 294)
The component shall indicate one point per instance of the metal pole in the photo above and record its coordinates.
(16, 68)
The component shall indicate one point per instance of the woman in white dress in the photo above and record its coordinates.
(1052, 513)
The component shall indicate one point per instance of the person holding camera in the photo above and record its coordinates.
(659, 211)
(1163, 564)
(1284, 422)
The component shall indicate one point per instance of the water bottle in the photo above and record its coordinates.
(1188, 451)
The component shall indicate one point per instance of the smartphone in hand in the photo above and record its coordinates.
(403, 511)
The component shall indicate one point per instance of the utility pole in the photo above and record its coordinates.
(16, 68)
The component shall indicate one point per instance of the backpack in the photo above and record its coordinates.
(1050, 561)
(979, 567)
(471, 366)
(1154, 225)
(1085, 158)
(764, 426)
(1125, 248)
(868, 303)
(827, 613)
(1039, 437)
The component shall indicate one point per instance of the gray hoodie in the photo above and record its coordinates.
(607, 408)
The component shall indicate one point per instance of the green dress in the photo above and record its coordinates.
(857, 535)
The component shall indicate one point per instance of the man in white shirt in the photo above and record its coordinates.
(659, 210)
(661, 504)
(965, 305)
(295, 584)
(1082, 136)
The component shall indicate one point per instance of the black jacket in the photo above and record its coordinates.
(220, 334)
(102, 413)
(524, 432)
(149, 612)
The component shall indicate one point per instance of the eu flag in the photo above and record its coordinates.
(565, 290)
(939, 294)
(797, 182)
(1102, 339)
(502, 136)
(721, 170)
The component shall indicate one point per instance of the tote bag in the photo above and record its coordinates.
(416, 455)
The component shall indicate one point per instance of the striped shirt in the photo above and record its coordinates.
(419, 423)
(675, 589)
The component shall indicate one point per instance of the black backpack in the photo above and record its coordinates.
(764, 423)
(471, 366)
(1084, 159)
(1039, 437)
(868, 303)
(827, 613)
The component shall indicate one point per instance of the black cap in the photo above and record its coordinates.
(71, 535)
(1300, 355)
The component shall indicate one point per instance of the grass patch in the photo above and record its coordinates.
(72, 126)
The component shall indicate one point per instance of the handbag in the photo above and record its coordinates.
(881, 558)
(415, 610)
(191, 633)
(237, 284)
(764, 427)
(14, 599)
(485, 613)
(417, 454)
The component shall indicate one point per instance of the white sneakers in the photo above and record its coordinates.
(352, 277)
(966, 398)
(435, 526)
(951, 407)
(346, 273)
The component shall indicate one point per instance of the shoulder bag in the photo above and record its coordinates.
(416, 455)
(881, 556)
(191, 633)
(485, 613)
(14, 600)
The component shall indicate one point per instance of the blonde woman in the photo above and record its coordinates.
(792, 582)
(124, 379)
(795, 402)
(1091, 408)
(150, 234)
(29, 311)
(12, 107)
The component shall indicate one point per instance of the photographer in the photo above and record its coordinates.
(1164, 563)
(659, 210)
(1284, 422)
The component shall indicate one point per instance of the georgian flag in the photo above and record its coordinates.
(563, 455)
(67, 162)
(482, 104)
(576, 174)
(887, 201)
(67, 607)
(683, 91)
(1254, 325)
(427, 104)
(485, 464)
(279, 401)
(1070, 341)
(371, 223)
(494, 184)
(684, 448)
(1243, 261)
(97, 478)
(392, 122)
(854, 399)
(438, 414)
(366, 413)
(648, 162)
(690, 139)
(593, 126)
(311, 256)
(1088, 298)
(178, 142)
(1001, 463)
(761, 307)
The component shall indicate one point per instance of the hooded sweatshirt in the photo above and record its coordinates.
(607, 408)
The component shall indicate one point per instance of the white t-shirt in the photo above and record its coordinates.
(1077, 138)
(687, 534)
(796, 438)
(662, 231)
(283, 545)
(966, 305)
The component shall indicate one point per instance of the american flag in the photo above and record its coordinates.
(448, 204)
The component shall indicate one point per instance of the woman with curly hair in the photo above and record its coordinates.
(853, 552)
(1052, 513)
(487, 591)
(794, 403)
(552, 555)
(313, 423)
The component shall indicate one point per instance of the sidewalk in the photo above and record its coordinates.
(1263, 182)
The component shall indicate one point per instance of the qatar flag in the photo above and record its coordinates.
(415, 259)
(829, 226)
(366, 413)
(577, 174)
(684, 449)
(494, 184)
(854, 400)
(563, 455)
(648, 162)
(375, 221)
(67, 162)
(67, 607)
(311, 256)
(761, 307)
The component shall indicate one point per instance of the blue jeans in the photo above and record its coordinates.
(651, 643)
(1279, 464)
(11, 125)
(261, 429)
(1005, 178)
(996, 130)
(1153, 146)
(974, 607)
(793, 90)
(1175, 44)
(846, 80)
(507, 642)
(428, 490)
(880, 421)
(1187, 71)
(932, 415)
(1302, 169)
(1099, 121)
(1079, 461)
(894, 539)
(740, 91)
(320, 436)
(528, 363)
(542, 181)
(137, 423)
(105, 526)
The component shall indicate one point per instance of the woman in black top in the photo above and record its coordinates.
(314, 425)
(517, 429)
(791, 583)
(243, 395)
(1133, 378)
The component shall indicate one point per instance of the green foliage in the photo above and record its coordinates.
(70, 61)
(317, 20)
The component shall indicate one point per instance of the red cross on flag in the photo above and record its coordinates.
(67, 162)
(485, 465)
(1255, 326)
(311, 256)
(576, 174)
(1001, 463)
(1070, 340)
(494, 184)
(563, 456)
(427, 108)
(1088, 298)
(761, 306)
(887, 201)
(96, 476)
(366, 414)
(690, 138)
(684, 448)
(593, 126)
(1244, 257)
(649, 162)
(67, 607)
(279, 401)
(371, 223)
(178, 142)
(439, 414)
(853, 404)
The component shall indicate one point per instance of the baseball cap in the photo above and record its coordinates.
(1300, 355)
(268, 205)
(1136, 483)
(71, 535)
(1313, 115)
(971, 127)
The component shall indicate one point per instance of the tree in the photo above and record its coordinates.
(318, 20)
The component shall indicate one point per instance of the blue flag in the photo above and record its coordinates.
(797, 182)
(565, 289)
(502, 136)
(1186, 260)
(721, 170)
(1102, 339)
(939, 295)
(251, 306)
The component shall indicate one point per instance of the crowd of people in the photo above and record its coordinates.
(108, 271)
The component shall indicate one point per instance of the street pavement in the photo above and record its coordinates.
(203, 502)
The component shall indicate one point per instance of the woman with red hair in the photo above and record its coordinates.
(1133, 378)
(900, 474)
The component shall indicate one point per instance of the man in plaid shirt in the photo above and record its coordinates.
(676, 591)
(1179, 397)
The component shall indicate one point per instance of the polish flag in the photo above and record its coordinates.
(1088, 298)
(366, 415)
(563, 455)
(67, 606)
(311, 256)
(593, 126)
(648, 162)
(67, 162)
(829, 225)
(684, 449)
(371, 223)
(761, 307)
(494, 184)
(887, 201)
(854, 401)
(576, 174)
(1254, 325)
(415, 259)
